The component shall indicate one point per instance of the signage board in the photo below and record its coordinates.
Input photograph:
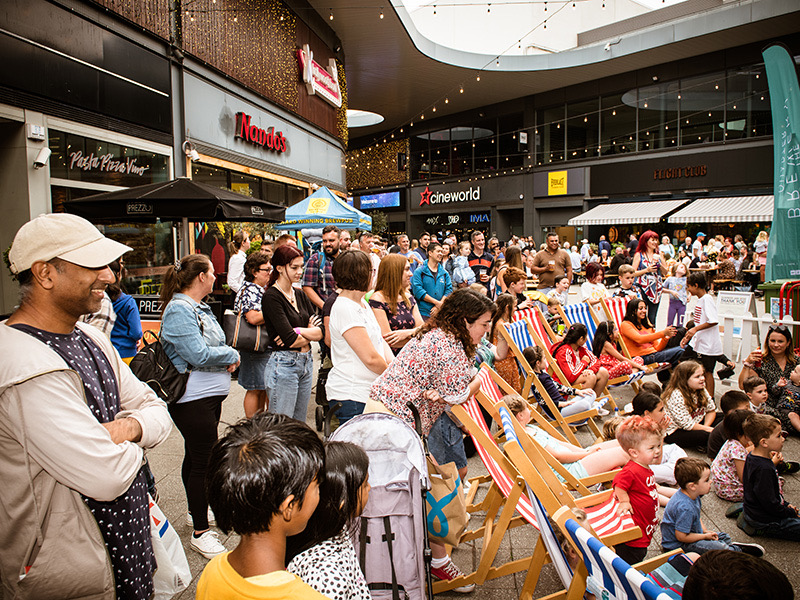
(252, 134)
(557, 183)
(738, 304)
(384, 200)
(320, 81)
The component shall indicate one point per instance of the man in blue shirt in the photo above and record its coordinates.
(431, 282)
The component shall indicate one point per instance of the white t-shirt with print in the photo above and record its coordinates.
(350, 379)
(706, 341)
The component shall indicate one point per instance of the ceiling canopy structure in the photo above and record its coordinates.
(394, 70)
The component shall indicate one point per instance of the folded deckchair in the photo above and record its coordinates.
(519, 335)
(603, 572)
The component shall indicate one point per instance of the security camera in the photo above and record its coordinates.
(608, 47)
(189, 150)
(42, 158)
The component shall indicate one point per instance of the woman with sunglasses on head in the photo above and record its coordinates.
(650, 268)
(252, 373)
(775, 362)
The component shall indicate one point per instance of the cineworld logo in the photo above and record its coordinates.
(470, 195)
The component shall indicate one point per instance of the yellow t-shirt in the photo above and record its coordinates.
(219, 581)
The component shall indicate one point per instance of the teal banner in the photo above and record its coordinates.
(783, 253)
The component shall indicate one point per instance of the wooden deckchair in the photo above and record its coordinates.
(507, 480)
(519, 335)
(612, 576)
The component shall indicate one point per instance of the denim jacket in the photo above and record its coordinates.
(189, 346)
(424, 282)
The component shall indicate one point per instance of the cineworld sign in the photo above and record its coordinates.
(473, 194)
(266, 138)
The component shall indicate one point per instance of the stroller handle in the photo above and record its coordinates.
(417, 420)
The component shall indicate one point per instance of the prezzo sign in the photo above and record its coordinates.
(266, 138)
(105, 163)
(473, 194)
(320, 82)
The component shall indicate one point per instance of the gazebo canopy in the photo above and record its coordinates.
(324, 208)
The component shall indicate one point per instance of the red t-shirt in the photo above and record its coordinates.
(640, 483)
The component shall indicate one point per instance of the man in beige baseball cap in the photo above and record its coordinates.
(75, 424)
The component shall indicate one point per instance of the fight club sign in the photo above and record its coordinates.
(268, 139)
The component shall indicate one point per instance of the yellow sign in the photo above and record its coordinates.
(318, 206)
(556, 183)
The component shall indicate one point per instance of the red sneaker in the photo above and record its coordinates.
(450, 571)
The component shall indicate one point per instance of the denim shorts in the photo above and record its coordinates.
(446, 442)
(253, 370)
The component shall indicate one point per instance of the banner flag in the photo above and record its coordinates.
(783, 253)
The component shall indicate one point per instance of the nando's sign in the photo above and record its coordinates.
(268, 139)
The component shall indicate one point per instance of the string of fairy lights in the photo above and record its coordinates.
(639, 136)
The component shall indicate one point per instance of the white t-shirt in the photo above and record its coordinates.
(350, 379)
(594, 291)
(236, 270)
(697, 248)
(706, 341)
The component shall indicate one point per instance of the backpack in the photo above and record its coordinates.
(152, 366)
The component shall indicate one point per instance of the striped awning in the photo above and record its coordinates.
(739, 209)
(626, 213)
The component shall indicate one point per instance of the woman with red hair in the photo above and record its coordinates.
(649, 269)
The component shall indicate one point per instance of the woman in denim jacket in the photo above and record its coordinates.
(195, 342)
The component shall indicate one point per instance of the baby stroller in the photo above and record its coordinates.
(392, 541)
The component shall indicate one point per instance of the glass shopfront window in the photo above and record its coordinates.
(550, 136)
(747, 109)
(582, 129)
(658, 116)
(512, 152)
(249, 185)
(152, 253)
(617, 124)
(702, 105)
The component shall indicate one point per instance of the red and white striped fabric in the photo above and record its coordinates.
(617, 306)
(533, 319)
(603, 517)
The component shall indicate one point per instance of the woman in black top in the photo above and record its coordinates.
(292, 325)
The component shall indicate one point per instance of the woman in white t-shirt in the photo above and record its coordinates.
(358, 350)
(593, 290)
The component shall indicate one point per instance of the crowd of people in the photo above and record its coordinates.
(409, 322)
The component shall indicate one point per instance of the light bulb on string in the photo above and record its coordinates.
(330, 14)
(478, 78)
(488, 8)
(545, 24)
(545, 5)
(434, 9)
(381, 15)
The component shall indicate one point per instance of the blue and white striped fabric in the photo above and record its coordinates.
(610, 572)
(582, 313)
(518, 330)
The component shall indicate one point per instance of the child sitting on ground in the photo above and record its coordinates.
(647, 404)
(790, 404)
(263, 483)
(583, 400)
(681, 526)
(323, 555)
(727, 469)
(652, 387)
(731, 400)
(635, 486)
(766, 512)
(757, 393)
(626, 289)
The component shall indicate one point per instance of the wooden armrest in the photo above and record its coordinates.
(653, 563)
(599, 477)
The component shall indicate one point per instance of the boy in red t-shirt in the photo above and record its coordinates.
(635, 485)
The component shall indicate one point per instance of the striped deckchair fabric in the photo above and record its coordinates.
(530, 315)
(606, 574)
(615, 308)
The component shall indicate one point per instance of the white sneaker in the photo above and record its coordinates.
(208, 544)
(212, 521)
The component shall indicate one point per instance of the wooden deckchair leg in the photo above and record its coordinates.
(489, 551)
(532, 578)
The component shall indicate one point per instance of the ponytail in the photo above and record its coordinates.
(236, 244)
(181, 275)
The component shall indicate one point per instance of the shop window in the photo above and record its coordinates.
(512, 152)
(702, 102)
(246, 184)
(274, 192)
(747, 109)
(440, 152)
(550, 135)
(658, 116)
(296, 194)
(617, 124)
(152, 252)
(83, 159)
(210, 175)
(484, 142)
(582, 129)
(461, 150)
(420, 158)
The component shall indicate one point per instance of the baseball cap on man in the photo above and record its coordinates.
(64, 236)
(700, 234)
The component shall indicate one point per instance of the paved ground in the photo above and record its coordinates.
(166, 461)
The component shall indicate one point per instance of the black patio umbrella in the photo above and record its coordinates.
(175, 200)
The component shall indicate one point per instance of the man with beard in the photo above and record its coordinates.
(318, 282)
(551, 264)
(422, 249)
(344, 240)
(74, 423)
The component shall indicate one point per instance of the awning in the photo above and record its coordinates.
(739, 209)
(626, 213)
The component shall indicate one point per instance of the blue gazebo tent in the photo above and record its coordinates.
(324, 208)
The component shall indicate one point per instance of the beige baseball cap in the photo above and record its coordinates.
(64, 236)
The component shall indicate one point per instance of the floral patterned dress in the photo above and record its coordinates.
(771, 373)
(436, 361)
(727, 484)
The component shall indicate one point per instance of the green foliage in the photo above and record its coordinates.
(380, 223)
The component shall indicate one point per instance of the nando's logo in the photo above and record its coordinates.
(266, 138)
(473, 194)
